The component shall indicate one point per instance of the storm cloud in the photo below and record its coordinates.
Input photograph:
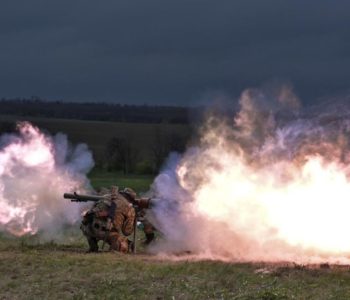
(171, 52)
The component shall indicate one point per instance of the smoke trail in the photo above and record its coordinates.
(271, 184)
(35, 170)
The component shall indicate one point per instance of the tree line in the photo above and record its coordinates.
(123, 154)
(124, 147)
(37, 107)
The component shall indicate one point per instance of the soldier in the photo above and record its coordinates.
(141, 204)
(111, 220)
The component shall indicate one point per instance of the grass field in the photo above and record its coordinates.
(63, 271)
(140, 183)
(97, 134)
(60, 269)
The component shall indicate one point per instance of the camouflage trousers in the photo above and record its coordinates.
(147, 227)
(116, 241)
(96, 230)
(124, 221)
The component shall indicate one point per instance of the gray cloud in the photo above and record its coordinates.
(171, 52)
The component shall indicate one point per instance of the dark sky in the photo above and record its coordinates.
(171, 52)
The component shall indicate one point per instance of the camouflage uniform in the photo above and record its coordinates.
(147, 226)
(111, 220)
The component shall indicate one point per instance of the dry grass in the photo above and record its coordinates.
(33, 270)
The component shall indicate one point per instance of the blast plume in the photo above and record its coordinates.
(270, 184)
(35, 170)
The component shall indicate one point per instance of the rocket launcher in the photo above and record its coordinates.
(82, 198)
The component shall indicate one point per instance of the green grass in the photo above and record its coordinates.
(96, 134)
(60, 269)
(140, 183)
(30, 270)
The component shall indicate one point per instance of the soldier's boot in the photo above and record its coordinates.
(93, 246)
(149, 238)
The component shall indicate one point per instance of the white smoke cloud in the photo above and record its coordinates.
(264, 186)
(35, 170)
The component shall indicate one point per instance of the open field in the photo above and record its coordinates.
(61, 271)
(32, 268)
(97, 134)
(139, 183)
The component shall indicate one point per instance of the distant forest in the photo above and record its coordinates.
(36, 107)
(127, 138)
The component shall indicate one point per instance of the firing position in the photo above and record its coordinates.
(143, 223)
(111, 219)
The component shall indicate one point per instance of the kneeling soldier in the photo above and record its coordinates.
(111, 220)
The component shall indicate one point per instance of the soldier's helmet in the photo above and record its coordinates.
(103, 191)
(130, 192)
(114, 189)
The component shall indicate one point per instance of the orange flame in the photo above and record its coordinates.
(260, 190)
